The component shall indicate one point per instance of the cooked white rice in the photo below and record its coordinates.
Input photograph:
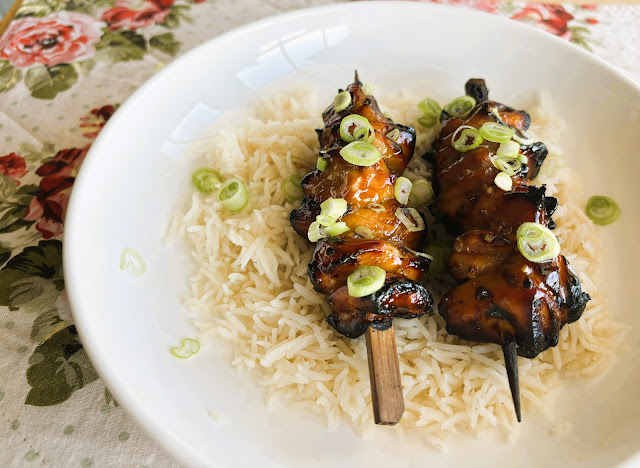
(252, 291)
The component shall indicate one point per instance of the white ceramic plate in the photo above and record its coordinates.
(133, 177)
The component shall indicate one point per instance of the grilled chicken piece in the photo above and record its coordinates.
(504, 294)
(399, 297)
(372, 205)
(335, 259)
(468, 198)
(503, 298)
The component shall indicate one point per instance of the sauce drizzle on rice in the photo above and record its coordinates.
(252, 290)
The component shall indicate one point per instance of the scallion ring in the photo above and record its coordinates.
(362, 131)
(393, 134)
(233, 195)
(333, 208)
(367, 89)
(523, 137)
(361, 153)
(415, 224)
(322, 164)
(438, 251)
(376, 207)
(537, 243)
(402, 189)
(429, 108)
(132, 261)
(335, 229)
(342, 101)
(421, 193)
(428, 122)
(503, 181)
(496, 132)
(523, 158)
(602, 210)
(206, 180)
(292, 189)
(364, 232)
(509, 148)
(365, 280)
(187, 348)
(508, 164)
(460, 107)
(462, 135)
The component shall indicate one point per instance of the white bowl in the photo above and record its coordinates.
(133, 177)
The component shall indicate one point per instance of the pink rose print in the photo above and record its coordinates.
(13, 166)
(554, 18)
(58, 38)
(49, 206)
(122, 17)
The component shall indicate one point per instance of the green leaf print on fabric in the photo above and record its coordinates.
(9, 76)
(33, 279)
(40, 8)
(165, 43)
(58, 367)
(47, 82)
(176, 15)
(46, 325)
(14, 204)
(122, 46)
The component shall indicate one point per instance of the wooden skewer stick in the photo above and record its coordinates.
(511, 363)
(384, 372)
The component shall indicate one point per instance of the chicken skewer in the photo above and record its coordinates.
(366, 258)
(514, 288)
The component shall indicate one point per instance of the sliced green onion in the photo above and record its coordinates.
(428, 122)
(333, 208)
(414, 226)
(503, 181)
(292, 189)
(402, 189)
(508, 164)
(335, 229)
(537, 243)
(377, 207)
(460, 107)
(510, 148)
(367, 89)
(439, 251)
(325, 220)
(462, 134)
(342, 101)
(322, 163)
(421, 193)
(365, 280)
(430, 108)
(364, 232)
(132, 261)
(233, 195)
(206, 180)
(496, 132)
(362, 131)
(188, 348)
(315, 233)
(318, 231)
(523, 137)
(523, 158)
(602, 210)
(393, 134)
(361, 153)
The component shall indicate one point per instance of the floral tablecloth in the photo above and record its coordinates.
(65, 66)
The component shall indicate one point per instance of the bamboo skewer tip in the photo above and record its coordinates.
(511, 363)
(384, 372)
